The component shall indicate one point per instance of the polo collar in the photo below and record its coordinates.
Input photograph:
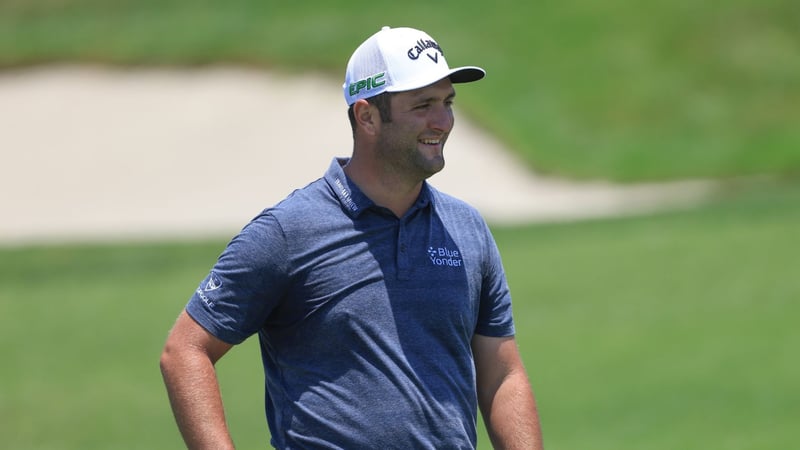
(352, 199)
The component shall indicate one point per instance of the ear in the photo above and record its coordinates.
(367, 116)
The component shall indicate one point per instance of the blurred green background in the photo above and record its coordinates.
(674, 330)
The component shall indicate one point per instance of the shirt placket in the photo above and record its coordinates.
(403, 252)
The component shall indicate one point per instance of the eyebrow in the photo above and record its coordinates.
(432, 98)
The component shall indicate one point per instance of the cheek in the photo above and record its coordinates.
(407, 130)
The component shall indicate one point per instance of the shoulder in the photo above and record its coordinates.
(270, 238)
(302, 205)
(304, 216)
(454, 209)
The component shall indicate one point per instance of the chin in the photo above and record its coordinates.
(434, 167)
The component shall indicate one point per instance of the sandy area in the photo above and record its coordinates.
(95, 154)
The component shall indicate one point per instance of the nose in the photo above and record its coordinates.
(441, 117)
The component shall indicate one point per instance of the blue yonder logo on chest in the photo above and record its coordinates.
(443, 256)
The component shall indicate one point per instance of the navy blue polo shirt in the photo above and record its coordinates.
(365, 319)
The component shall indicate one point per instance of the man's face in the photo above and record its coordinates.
(412, 144)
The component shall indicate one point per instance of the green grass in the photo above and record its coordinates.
(663, 332)
(616, 89)
(676, 331)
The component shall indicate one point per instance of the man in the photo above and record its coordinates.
(380, 303)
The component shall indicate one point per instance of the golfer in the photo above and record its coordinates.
(380, 303)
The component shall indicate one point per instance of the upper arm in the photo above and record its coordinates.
(504, 394)
(496, 358)
(188, 335)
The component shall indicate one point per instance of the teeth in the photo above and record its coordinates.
(430, 141)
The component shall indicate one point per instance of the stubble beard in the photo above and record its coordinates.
(405, 158)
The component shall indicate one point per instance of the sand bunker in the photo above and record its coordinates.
(96, 154)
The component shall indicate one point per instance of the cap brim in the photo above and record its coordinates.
(466, 74)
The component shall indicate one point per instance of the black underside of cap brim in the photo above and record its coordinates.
(467, 74)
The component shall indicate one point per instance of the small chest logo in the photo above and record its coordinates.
(443, 256)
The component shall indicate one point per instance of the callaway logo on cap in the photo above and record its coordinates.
(399, 59)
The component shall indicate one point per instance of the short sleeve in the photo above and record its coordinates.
(495, 316)
(246, 283)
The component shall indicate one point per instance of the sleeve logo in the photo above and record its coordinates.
(213, 283)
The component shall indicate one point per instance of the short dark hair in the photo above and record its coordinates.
(382, 101)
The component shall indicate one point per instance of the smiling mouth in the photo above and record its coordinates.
(431, 141)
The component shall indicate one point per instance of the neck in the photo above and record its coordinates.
(384, 189)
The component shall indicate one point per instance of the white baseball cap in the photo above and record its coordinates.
(399, 59)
